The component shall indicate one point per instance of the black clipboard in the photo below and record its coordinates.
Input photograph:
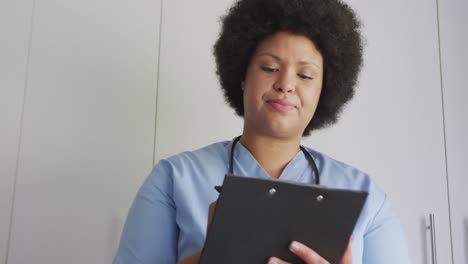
(256, 218)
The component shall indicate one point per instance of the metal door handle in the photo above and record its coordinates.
(433, 238)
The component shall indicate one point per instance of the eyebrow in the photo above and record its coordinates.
(275, 57)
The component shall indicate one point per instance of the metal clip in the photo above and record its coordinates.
(272, 191)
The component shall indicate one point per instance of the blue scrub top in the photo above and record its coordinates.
(168, 218)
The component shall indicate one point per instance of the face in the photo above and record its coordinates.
(282, 86)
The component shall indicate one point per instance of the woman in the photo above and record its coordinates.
(287, 67)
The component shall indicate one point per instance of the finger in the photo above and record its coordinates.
(210, 214)
(274, 260)
(306, 253)
(195, 258)
(347, 257)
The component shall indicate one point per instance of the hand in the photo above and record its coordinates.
(210, 214)
(310, 256)
(195, 258)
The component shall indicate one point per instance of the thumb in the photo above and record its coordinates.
(210, 214)
(347, 257)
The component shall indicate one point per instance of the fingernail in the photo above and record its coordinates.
(294, 246)
(272, 261)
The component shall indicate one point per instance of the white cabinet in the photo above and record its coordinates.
(393, 129)
(15, 24)
(453, 43)
(88, 128)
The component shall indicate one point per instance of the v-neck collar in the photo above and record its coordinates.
(245, 164)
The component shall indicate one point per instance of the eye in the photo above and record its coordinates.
(269, 69)
(304, 77)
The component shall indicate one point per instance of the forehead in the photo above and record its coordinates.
(289, 46)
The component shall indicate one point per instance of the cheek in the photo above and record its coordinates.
(250, 99)
(310, 100)
(253, 92)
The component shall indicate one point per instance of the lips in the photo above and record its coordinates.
(281, 105)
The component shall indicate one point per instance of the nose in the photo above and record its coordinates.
(285, 82)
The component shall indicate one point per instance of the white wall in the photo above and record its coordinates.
(15, 22)
(191, 110)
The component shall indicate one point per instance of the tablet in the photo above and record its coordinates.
(257, 218)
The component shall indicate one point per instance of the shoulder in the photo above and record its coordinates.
(210, 154)
(191, 166)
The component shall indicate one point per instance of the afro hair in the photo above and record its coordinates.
(330, 24)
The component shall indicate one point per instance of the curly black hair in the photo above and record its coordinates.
(330, 24)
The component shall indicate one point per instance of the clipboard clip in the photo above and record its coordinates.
(319, 199)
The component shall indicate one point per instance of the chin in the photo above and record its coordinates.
(275, 128)
(285, 133)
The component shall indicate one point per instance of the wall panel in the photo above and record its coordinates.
(15, 24)
(454, 57)
(88, 128)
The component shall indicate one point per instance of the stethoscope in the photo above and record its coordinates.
(306, 153)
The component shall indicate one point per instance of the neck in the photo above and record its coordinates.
(272, 153)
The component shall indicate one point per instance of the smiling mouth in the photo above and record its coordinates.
(281, 105)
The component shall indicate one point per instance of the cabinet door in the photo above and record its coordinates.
(88, 130)
(393, 129)
(15, 25)
(454, 56)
